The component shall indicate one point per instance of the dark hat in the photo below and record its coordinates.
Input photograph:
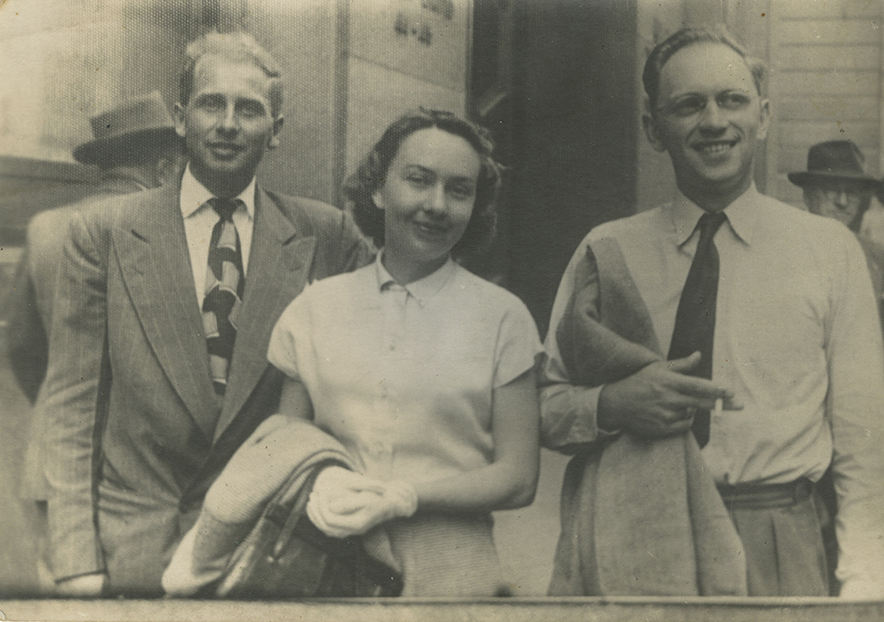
(833, 160)
(141, 119)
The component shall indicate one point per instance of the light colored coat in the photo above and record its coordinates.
(31, 316)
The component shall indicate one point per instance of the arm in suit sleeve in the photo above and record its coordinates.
(355, 249)
(76, 347)
(27, 344)
(568, 411)
(855, 405)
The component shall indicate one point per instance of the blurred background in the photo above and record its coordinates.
(557, 82)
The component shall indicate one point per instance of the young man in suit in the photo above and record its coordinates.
(770, 324)
(136, 148)
(165, 305)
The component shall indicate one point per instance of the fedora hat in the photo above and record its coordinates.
(833, 160)
(141, 119)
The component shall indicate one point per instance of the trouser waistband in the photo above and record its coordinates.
(755, 496)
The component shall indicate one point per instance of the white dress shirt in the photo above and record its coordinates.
(404, 376)
(200, 219)
(797, 338)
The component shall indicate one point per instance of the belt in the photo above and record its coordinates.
(762, 496)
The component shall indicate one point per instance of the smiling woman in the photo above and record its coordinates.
(427, 198)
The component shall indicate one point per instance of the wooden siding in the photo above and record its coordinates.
(825, 60)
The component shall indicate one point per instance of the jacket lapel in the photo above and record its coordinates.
(155, 264)
(279, 264)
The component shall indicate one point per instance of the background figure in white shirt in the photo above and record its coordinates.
(797, 357)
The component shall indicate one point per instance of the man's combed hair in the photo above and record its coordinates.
(234, 47)
(681, 39)
(372, 173)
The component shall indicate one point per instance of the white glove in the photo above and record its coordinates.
(84, 586)
(344, 503)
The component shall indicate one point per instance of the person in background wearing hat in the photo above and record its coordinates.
(836, 185)
(163, 312)
(135, 147)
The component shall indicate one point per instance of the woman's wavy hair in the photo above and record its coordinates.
(372, 172)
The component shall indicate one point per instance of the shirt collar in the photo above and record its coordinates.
(742, 215)
(194, 195)
(422, 289)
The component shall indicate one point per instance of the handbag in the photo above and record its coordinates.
(286, 556)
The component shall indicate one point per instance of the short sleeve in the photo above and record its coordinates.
(282, 351)
(518, 344)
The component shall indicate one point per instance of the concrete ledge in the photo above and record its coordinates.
(429, 610)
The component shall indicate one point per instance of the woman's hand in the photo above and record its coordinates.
(344, 503)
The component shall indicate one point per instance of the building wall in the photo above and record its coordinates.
(825, 84)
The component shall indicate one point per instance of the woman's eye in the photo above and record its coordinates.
(460, 192)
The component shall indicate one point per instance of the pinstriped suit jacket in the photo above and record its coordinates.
(136, 431)
(31, 316)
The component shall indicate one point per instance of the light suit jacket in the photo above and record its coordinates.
(30, 308)
(137, 433)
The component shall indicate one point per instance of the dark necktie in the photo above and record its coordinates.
(225, 281)
(695, 318)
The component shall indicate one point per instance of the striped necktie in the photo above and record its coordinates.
(225, 282)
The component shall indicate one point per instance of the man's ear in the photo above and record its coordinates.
(378, 198)
(764, 125)
(273, 143)
(652, 131)
(178, 112)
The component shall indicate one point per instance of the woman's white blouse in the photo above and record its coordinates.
(404, 376)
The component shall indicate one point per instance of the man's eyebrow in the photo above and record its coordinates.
(237, 100)
(204, 96)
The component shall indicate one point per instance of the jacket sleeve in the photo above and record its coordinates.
(568, 410)
(27, 344)
(77, 343)
(356, 251)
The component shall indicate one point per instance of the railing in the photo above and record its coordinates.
(620, 609)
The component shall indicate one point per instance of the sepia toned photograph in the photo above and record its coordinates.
(442, 309)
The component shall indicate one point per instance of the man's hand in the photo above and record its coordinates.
(660, 399)
(83, 586)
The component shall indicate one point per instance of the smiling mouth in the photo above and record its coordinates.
(429, 229)
(225, 149)
(713, 148)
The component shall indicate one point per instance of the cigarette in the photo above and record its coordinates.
(719, 406)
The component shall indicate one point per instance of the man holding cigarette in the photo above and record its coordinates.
(755, 327)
